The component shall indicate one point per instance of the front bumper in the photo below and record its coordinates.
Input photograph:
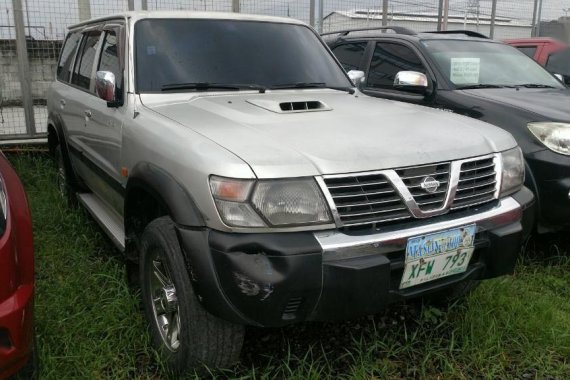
(16, 331)
(550, 175)
(283, 278)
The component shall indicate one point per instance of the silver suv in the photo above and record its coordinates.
(248, 182)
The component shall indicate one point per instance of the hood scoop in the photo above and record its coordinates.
(290, 107)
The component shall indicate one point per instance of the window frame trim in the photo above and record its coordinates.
(432, 83)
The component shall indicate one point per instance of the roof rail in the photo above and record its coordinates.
(469, 33)
(397, 29)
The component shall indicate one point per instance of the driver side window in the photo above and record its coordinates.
(390, 58)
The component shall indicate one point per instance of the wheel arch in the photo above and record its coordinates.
(152, 192)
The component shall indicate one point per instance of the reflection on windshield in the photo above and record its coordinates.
(199, 54)
(475, 64)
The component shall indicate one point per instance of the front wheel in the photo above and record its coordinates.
(187, 336)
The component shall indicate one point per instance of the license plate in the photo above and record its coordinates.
(438, 255)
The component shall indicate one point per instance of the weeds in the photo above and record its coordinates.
(89, 324)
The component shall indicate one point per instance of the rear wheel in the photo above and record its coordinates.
(186, 335)
(65, 184)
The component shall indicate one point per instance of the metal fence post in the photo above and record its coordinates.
(493, 16)
(445, 14)
(538, 17)
(439, 15)
(321, 15)
(131, 5)
(384, 12)
(24, 68)
(144, 5)
(235, 6)
(84, 7)
(312, 13)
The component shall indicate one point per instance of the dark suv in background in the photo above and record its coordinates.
(464, 72)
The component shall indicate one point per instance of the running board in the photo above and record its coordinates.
(109, 221)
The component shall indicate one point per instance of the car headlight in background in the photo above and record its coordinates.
(278, 203)
(512, 177)
(555, 136)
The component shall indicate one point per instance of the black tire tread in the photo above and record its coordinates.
(214, 342)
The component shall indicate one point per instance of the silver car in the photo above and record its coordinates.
(248, 182)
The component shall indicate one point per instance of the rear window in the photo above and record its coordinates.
(67, 54)
(529, 51)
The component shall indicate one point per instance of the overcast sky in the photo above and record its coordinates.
(51, 17)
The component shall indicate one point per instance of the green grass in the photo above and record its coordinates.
(89, 325)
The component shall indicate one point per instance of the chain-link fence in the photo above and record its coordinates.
(31, 33)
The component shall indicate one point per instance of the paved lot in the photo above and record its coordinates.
(13, 122)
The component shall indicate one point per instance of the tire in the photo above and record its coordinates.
(448, 296)
(31, 370)
(65, 183)
(186, 336)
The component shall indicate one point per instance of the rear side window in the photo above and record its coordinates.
(559, 63)
(84, 63)
(110, 60)
(527, 50)
(67, 54)
(350, 55)
(388, 60)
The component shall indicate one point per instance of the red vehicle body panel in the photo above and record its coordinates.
(16, 276)
(545, 46)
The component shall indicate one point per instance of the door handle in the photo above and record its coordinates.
(88, 114)
(62, 102)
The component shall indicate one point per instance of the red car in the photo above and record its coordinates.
(551, 53)
(16, 278)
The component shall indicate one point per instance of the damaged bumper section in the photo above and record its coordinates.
(274, 279)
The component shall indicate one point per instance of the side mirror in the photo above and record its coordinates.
(105, 85)
(357, 77)
(411, 81)
(560, 77)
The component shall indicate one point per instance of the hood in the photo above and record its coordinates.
(298, 133)
(550, 104)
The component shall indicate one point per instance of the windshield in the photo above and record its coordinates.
(196, 54)
(484, 64)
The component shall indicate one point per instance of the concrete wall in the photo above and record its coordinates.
(43, 57)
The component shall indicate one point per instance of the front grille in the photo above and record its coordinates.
(477, 183)
(365, 199)
(413, 178)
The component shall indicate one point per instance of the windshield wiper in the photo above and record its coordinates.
(204, 86)
(297, 85)
(534, 85)
(476, 86)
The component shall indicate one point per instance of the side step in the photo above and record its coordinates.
(111, 223)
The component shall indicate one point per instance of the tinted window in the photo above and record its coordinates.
(175, 51)
(350, 55)
(66, 59)
(388, 60)
(84, 65)
(110, 59)
(559, 63)
(527, 50)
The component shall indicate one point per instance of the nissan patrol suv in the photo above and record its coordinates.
(248, 182)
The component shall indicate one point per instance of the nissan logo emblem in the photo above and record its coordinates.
(430, 184)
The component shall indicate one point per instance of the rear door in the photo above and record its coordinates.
(77, 105)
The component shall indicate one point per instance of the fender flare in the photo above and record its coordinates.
(166, 189)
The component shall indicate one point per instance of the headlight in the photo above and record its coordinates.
(283, 203)
(512, 176)
(555, 136)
